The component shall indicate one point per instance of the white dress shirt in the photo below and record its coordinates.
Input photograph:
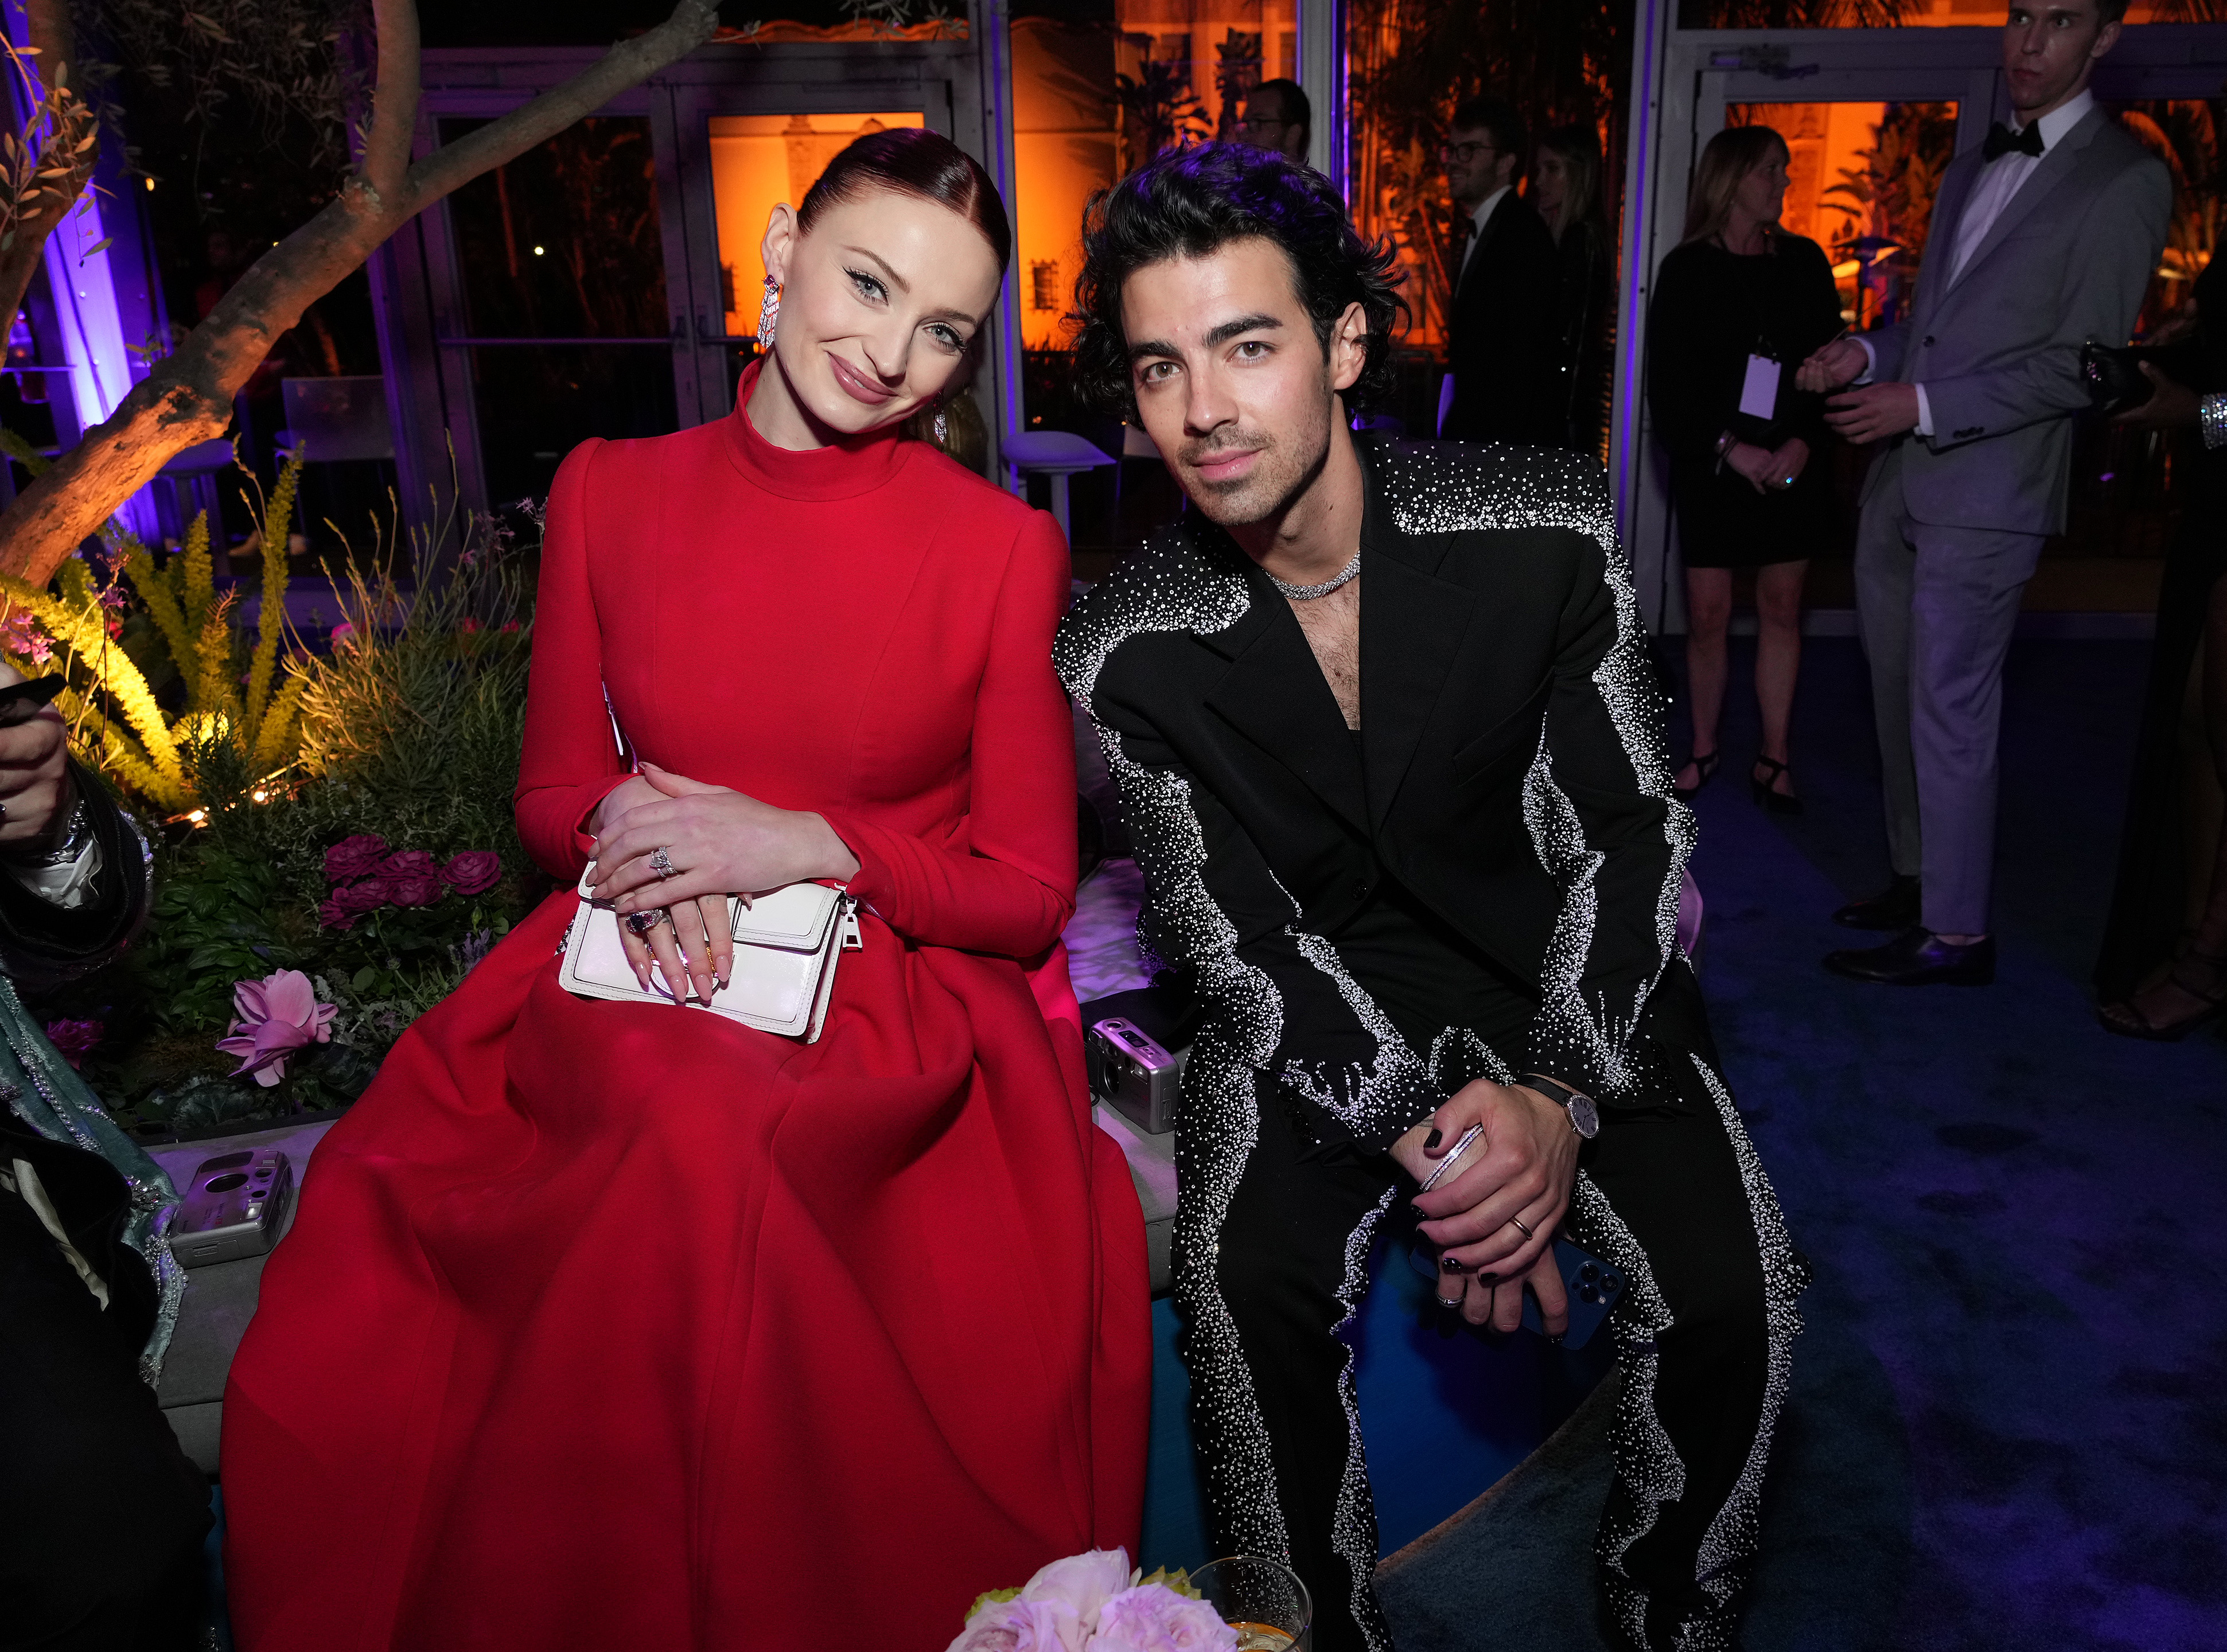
(2000, 179)
(1479, 220)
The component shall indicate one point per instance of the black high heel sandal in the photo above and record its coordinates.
(2128, 1021)
(1766, 789)
(1704, 767)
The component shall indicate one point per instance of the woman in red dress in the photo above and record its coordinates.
(619, 1325)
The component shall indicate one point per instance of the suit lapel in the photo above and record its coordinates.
(1481, 247)
(1275, 695)
(1956, 186)
(1412, 625)
(2053, 169)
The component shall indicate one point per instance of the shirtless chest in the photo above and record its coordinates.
(1331, 625)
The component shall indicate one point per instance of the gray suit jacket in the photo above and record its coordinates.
(1998, 346)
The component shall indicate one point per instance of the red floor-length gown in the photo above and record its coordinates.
(626, 1327)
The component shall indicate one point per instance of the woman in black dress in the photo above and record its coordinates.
(2163, 969)
(1737, 305)
(1566, 188)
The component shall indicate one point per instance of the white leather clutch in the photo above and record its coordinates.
(786, 944)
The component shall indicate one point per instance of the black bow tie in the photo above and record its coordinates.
(2002, 141)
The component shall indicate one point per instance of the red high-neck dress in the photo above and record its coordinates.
(619, 1326)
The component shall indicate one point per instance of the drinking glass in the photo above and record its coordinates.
(1261, 1600)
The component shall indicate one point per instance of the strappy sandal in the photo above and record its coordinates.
(1704, 767)
(1766, 789)
(2128, 1021)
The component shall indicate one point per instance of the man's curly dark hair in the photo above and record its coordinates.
(1187, 203)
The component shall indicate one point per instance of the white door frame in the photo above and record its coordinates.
(1681, 81)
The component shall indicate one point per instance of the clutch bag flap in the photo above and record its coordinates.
(783, 974)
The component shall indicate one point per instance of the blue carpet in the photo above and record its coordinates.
(2006, 1431)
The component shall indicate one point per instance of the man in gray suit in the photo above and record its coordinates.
(2040, 240)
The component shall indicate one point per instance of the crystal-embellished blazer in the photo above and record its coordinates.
(1512, 775)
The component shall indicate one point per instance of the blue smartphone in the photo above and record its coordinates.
(1593, 1287)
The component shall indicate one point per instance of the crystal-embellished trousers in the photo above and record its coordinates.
(1672, 1195)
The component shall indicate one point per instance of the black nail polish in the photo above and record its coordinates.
(1447, 1264)
(1488, 1278)
(1433, 1140)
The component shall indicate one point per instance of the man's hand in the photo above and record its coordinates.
(1874, 413)
(34, 783)
(1517, 1176)
(1831, 365)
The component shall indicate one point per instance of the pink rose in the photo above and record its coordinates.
(333, 916)
(353, 857)
(1017, 1626)
(1151, 1619)
(279, 1015)
(1079, 1585)
(361, 896)
(473, 871)
(74, 1039)
(408, 863)
(414, 888)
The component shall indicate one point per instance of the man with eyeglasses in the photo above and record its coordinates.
(1278, 118)
(1501, 266)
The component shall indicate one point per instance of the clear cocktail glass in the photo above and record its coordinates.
(1262, 1600)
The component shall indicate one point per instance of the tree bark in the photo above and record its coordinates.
(188, 397)
(58, 162)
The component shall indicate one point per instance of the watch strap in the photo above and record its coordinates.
(1576, 1103)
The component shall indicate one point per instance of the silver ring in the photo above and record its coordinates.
(1445, 1302)
(643, 921)
(1518, 1221)
(661, 862)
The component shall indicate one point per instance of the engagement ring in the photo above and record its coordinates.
(642, 922)
(661, 863)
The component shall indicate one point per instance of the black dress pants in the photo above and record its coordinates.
(104, 1514)
(1672, 1195)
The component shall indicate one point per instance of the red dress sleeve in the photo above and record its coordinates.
(570, 760)
(1004, 883)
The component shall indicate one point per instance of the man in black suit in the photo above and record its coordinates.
(1500, 264)
(1436, 948)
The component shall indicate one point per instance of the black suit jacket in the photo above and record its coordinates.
(1505, 328)
(1513, 774)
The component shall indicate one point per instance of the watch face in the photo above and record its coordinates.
(1585, 1115)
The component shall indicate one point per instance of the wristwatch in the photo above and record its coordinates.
(1584, 1111)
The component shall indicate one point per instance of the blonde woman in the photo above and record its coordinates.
(1738, 305)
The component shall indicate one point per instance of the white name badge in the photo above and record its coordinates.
(1759, 392)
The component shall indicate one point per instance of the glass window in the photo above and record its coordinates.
(758, 162)
(561, 269)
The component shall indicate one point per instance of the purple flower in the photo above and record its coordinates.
(413, 888)
(361, 896)
(333, 916)
(408, 863)
(1151, 1618)
(473, 871)
(1081, 1585)
(74, 1039)
(353, 857)
(279, 1015)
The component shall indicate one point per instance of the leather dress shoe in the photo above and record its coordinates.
(1918, 957)
(1893, 908)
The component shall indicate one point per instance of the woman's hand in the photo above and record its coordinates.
(718, 842)
(2171, 404)
(1789, 463)
(1753, 462)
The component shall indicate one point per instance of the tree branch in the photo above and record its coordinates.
(188, 397)
(394, 102)
(627, 65)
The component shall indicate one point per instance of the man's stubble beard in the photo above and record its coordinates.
(1262, 497)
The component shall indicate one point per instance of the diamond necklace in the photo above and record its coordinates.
(1307, 593)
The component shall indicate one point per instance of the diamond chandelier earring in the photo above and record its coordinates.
(942, 425)
(768, 315)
